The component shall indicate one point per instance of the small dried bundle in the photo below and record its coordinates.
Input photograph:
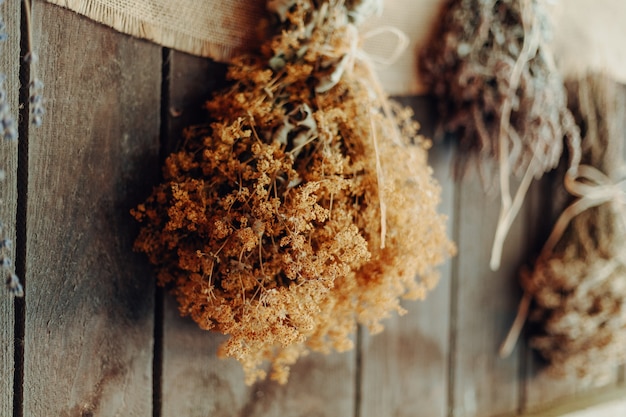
(305, 205)
(6, 265)
(499, 92)
(578, 283)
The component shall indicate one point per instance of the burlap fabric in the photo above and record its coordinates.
(210, 28)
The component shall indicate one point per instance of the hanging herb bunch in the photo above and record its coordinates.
(578, 283)
(499, 93)
(304, 206)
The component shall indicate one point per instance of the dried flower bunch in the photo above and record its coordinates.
(304, 206)
(6, 265)
(578, 284)
(499, 92)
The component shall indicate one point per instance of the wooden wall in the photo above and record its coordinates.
(95, 337)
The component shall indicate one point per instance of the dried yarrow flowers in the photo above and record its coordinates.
(578, 283)
(304, 207)
(489, 65)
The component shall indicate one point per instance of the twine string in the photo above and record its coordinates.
(592, 188)
(348, 56)
(356, 55)
(510, 206)
(402, 43)
(366, 60)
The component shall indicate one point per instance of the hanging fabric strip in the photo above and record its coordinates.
(210, 28)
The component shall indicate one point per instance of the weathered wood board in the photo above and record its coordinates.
(89, 304)
(484, 306)
(9, 66)
(404, 370)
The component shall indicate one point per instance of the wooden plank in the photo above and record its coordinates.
(89, 315)
(405, 369)
(595, 403)
(195, 381)
(191, 82)
(484, 384)
(9, 66)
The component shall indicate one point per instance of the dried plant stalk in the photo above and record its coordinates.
(499, 92)
(269, 226)
(578, 284)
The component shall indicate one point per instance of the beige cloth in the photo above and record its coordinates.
(210, 28)
(413, 17)
(589, 34)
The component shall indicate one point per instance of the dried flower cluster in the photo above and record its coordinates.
(305, 205)
(6, 265)
(500, 93)
(469, 66)
(578, 284)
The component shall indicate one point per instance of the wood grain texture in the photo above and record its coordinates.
(89, 307)
(9, 66)
(195, 381)
(483, 383)
(405, 368)
(191, 82)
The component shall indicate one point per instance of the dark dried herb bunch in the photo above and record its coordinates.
(578, 284)
(304, 207)
(499, 92)
(488, 64)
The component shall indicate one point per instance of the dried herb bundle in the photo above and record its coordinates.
(578, 284)
(305, 205)
(499, 92)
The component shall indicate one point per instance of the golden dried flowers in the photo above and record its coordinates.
(305, 206)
